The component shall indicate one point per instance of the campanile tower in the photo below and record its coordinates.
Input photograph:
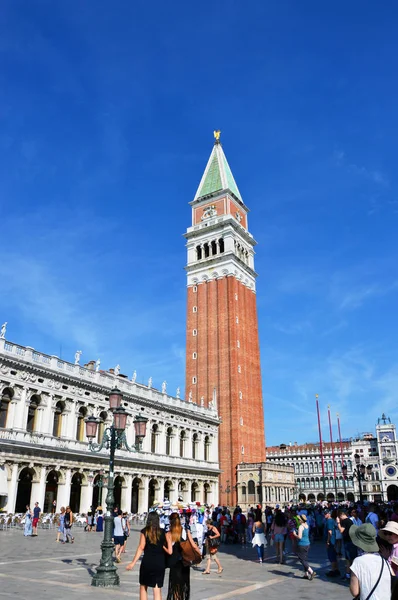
(223, 356)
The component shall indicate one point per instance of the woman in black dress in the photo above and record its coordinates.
(153, 544)
(179, 584)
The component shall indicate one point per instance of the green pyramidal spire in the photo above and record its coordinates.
(218, 175)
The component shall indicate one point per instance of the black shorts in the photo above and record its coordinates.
(119, 540)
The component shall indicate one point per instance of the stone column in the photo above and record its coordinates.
(86, 496)
(21, 414)
(63, 496)
(38, 487)
(68, 427)
(188, 444)
(48, 416)
(201, 493)
(125, 500)
(39, 418)
(12, 488)
(12, 407)
(143, 494)
(161, 440)
(159, 492)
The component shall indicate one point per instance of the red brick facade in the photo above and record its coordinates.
(223, 354)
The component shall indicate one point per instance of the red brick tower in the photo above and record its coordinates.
(223, 355)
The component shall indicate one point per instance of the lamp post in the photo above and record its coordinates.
(359, 473)
(114, 438)
(100, 483)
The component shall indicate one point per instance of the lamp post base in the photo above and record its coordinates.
(106, 577)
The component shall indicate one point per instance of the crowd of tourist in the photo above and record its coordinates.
(177, 538)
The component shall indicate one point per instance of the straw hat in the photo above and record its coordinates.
(391, 526)
(364, 536)
(303, 518)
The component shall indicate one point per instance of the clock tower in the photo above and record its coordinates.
(222, 347)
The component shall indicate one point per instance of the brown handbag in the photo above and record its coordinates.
(190, 554)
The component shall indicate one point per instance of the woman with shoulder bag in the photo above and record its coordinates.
(370, 572)
(212, 542)
(179, 578)
(68, 522)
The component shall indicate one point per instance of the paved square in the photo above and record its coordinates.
(39, 568)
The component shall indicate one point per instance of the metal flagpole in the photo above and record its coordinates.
(342, 455)
(331, 443)
(321, 447)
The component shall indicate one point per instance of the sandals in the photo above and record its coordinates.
(206, 573)
(220, 571)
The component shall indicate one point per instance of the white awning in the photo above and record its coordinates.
(3, 481)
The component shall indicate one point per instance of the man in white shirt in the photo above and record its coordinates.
(370, 573)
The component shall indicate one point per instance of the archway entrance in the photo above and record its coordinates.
(392, 492)
(51, 491)
(330, 497)
(135, 495)
(311, 497)
(167, 489)
(75, 491)
(302, 497)
(350, 497)
(24, 489)
(194, 492)
(151, 492)
(320, 497)
(117, 492)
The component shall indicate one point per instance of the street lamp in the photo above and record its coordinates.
(114, 438)
(360, 472)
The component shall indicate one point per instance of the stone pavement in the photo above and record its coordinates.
(40, 569)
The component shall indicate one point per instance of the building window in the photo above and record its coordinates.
(240, 396)
(154, 432)
(243, 450)
(101, 427)
(237, 320)
(57, 422)
(182, 443)
(195, 332)
(194, 445)
(236, 296)
(194, 355)
(195, 289)
(238, 343)
(4, 405)
(193, 379)
(194, 309)
(239, 369)
(241, 420)
(169, 434)
(207, 447)
(221, 244)
(80, 424)
(198, 252)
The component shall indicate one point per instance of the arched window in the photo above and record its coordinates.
(101, 428)
(301, 468)
(214, 247)
(169, 434)
(154, 435)
(57, 423)
(182, 443)
(206, 250)
(311, 467)
(306, 468)
(4, 404)
(349, 464)
(221, 245)
(207, 447)
(32, 414)
(80, 424)
(198, 252)
(194, 445)
(316, 467)
(251, 488)
(244, 493)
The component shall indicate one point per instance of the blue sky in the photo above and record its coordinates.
(107, 111)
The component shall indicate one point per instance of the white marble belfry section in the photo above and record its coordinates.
(44, 454)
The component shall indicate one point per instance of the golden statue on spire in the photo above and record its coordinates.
(217, 134)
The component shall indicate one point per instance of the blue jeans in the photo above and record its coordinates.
(260, 552)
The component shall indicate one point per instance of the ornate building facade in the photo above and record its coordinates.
(222, 346)
(266, 483)
(44, 454)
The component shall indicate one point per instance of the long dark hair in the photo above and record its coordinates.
(280, 520)
(175, 527)
(152, 528)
